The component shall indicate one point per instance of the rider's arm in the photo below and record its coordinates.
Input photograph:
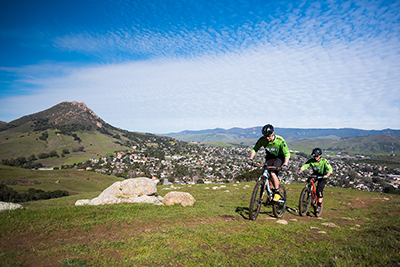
(253, 153)
(286, 151)
(286, 161)
(328, 168)
(305, 166)
(256, 147)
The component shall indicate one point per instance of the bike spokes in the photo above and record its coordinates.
(304, 201)
(279, 206)
(256, 200)
(317, 211)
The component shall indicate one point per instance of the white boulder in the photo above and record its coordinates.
(9, 206)
(136, 190)
(183, 198)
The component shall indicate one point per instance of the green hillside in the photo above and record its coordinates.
(363, 145)
(73, 181)
(65, 134)
(91, 144)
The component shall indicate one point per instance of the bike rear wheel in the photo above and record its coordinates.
(304, 201)
(256, 200)
(279, 207)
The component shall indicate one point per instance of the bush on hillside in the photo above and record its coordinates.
(8, 194)
(250, 176)
(391, 190)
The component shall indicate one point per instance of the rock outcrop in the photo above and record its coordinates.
(185, 199)
(137, 190)
(9, 206)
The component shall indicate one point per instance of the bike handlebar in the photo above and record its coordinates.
(314, 176)
(255, 164)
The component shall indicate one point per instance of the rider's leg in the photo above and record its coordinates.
(277, 162)
(275, 180)
(320, 190)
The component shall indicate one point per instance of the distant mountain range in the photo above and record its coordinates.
(70, 132)
(238, 135)
(343, 141)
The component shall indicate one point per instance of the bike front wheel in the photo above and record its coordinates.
(316, 212)
(256, 200)
(279, 207)
(304, 201)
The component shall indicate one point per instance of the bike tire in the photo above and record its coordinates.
(256, 200)
(304, 201)
(318, 214)
(279, 207)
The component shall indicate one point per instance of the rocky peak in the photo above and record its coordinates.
(65, 113)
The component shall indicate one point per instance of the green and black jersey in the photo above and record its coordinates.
(276, 148)
(320, 168)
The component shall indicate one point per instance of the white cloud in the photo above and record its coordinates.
(297, 86)
(323, 65)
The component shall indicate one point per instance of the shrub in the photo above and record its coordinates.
(8, 194)
(43, 155)
(53, 153)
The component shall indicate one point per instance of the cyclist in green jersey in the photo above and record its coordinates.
(277, 152)
(321, 168)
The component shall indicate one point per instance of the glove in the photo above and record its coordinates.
(250, 162)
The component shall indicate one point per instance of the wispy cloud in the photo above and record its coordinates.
(334, 64)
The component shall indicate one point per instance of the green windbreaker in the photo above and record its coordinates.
(275, 148)
(320, 168)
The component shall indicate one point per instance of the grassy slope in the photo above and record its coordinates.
(14, 144)
(371, 145)
(215, 232)
(75, 182)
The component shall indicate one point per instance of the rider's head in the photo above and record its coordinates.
(268, 130)
(316, 152)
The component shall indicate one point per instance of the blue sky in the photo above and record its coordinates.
(164, 66)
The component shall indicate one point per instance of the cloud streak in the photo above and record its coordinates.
(306, 65)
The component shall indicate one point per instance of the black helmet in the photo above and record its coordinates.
(268, 130)
(316, 152)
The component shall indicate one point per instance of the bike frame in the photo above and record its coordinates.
(267, 174)
(268, 185)
(313, 192)
(311, 197)
(259, 196)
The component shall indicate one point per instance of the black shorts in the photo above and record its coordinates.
(320, 187)
(276, 162)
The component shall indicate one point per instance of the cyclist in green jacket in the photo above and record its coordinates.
(277, 152)
(321, 168)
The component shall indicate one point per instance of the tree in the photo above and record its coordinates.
(32, 158)
(53, 153)
(43, 155)
(21, 161)
(44, 136)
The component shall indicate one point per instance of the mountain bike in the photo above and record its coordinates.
(309, 195)
(262, 194)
